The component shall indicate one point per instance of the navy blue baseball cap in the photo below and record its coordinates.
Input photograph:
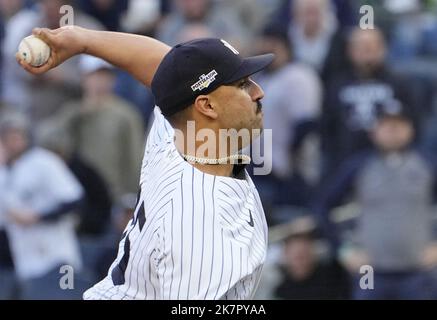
(199, 67)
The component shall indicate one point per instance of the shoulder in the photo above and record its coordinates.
(352, 165)
(41, 154)
(44, 159)
(162, 173)
(68, 112)
(40, 162)
(429, 158)
(125, 109)
(360, 158)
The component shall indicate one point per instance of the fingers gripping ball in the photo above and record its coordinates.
(34, 51)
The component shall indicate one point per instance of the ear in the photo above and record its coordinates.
(203, 104)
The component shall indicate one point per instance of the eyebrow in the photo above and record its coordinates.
(237, 82)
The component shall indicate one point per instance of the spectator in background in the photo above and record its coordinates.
(9, 286)
(142, 16)
(8, 8)
(350, 98)
(220, 22)
(39, 96)
(412, 47)
(412, 31)
(95, 225)
(135, 93)
(394, 186)
(122, 214)
(193, 30)
(37, 193)
(428, 137)
(317, 33)
(346, 12)
(303, 268)
(8, 289)
(106, 131)
(312, 31)
(293, 96)
(253, 14)
(95, 212)
(2, 152)
(107, 12)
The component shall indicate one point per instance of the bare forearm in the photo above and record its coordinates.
(138, 55)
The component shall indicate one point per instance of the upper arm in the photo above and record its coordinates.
(138, 55)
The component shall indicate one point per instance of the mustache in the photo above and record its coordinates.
(259, 106)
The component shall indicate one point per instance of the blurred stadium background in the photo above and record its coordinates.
(354, 119)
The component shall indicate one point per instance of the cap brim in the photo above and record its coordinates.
(250, 66)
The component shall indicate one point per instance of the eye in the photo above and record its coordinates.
(243, 84)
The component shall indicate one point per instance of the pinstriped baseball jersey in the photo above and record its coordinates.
(193, 235)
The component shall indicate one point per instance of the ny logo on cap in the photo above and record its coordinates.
(205, 81)
(228, 45)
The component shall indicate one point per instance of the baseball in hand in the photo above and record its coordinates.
(34, 51)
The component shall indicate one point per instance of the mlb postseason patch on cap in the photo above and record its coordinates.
(205, 81)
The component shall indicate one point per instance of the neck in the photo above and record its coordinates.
(206, 155)
(214, 169)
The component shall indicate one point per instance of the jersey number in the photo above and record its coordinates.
(118, 273)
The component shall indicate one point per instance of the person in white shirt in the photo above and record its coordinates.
(37, 191)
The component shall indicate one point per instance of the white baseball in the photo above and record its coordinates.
(34, 51)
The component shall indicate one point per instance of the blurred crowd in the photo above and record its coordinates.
(353, 113)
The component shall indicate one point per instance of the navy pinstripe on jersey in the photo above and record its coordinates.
(193, 235)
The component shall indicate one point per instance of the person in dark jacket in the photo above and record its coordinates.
(305, 270)
(349, 109)
(393, 186)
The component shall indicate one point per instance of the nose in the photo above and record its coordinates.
(257, 92)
